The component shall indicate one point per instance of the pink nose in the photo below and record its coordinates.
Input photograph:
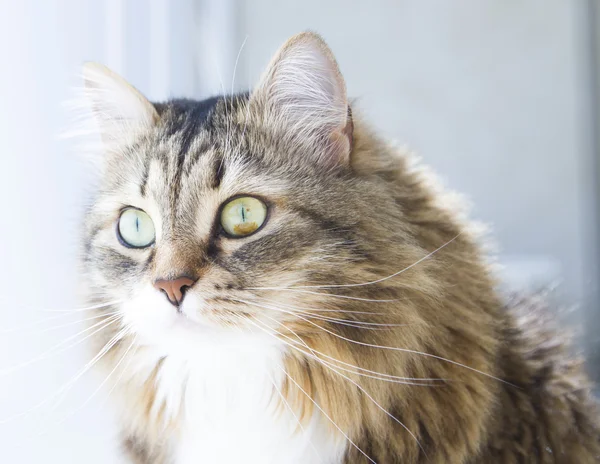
(174, 288)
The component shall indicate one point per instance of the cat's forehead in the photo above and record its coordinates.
(194, 161)
(171, 173)
(187, 151)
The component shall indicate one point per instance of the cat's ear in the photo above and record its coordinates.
(302, 96)
(120, 111)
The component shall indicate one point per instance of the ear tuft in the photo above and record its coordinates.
(302, 95)
(121, 112)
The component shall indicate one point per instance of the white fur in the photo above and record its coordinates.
(222, 387)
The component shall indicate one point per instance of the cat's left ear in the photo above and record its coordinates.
(302, 96)
(121, 112)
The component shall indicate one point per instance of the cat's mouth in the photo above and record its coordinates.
(199, 324)
(201, 315)
(215, 311)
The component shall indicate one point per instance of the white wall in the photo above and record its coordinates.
(39, 189)
(42, 189)
(494, 94)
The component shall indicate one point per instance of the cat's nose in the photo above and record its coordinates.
(174, 288)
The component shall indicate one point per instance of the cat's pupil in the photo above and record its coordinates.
(137, 223)
(243, 214)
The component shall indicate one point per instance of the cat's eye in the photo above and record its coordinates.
(135, 229)
(243, 216)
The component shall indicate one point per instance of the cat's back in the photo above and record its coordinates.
(550, 415)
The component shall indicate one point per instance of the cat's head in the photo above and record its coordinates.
(241, 214)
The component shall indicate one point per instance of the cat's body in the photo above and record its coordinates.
(355, 321)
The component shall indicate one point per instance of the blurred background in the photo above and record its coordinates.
(500, 97)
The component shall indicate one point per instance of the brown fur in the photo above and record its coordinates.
(542, 412)
(488, 380)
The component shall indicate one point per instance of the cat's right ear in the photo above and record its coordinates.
(120, 111)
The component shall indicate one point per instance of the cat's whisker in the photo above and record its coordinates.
(123, 333)
(119, 336)
(55, 349)
(105, 349)
(373, 282)
(87, 308)
(378, 375)
(383, 279)
(215, 64)
(237, 59)
(347, 323)
(320, 310)
(56, 327)
(65, 387)
(316, 404)
(239, 145)
(231, 97)
(64, 314)
(335, 370)
(118, 380)
(36, 323)
(326, 415)
(308, 312)
(332, 295)
(241, 141)
(360, 388)
(413, 381)
(291, 410)
(406, 350)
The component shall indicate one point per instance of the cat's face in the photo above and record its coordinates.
(165, 212)
(219, 216)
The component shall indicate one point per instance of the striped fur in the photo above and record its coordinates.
(296, 345)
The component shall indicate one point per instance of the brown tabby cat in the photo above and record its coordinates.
(282, 286)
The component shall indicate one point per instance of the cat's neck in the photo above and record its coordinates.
(224, 405)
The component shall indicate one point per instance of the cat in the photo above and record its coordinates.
(281, 285)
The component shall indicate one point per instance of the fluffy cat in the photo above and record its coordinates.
(282, 286)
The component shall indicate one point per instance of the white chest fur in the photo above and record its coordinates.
(229, 410)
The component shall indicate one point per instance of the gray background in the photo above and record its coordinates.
(498, 96)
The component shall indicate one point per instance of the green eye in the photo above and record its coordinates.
(243, 216)
(135, 229)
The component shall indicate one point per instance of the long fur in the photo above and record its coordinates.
(360, 324)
